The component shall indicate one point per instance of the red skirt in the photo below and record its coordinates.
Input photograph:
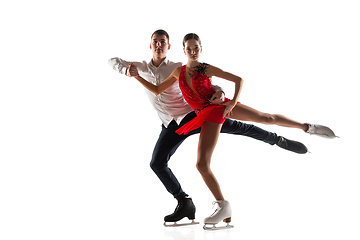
(212, 113)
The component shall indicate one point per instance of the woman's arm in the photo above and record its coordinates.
(156, 89)
(217, 72)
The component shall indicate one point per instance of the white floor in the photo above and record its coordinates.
(286, 196)
(297, 196)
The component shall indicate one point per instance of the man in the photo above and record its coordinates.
(174, 112)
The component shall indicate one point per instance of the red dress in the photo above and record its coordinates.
(199, 100)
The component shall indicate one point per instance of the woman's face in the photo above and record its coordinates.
(192, 50)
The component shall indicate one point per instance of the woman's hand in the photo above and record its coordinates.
(132, 71)
(228, 109)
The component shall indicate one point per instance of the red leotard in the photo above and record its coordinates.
(199, 99)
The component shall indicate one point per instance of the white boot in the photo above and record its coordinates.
(321, 131)
(222, 213)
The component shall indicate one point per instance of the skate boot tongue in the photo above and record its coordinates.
(218, 205)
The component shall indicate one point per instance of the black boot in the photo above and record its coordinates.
(185, 208)
(291, 145)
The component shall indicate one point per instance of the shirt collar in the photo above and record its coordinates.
(165, 62)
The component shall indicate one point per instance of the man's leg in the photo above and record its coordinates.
(239, 128)
(165, 147)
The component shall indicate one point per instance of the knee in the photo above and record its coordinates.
(269, 118)
(202, 167)
(153, 166)
(156, 165)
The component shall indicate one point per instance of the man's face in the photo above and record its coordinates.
(159, 46)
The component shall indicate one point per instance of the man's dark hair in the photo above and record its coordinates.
(161, 32)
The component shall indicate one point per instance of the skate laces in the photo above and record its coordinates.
(218, 207)
(215, 202)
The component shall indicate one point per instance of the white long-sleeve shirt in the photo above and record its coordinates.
(170, 104)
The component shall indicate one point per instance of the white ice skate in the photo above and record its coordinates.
(321, 131)
(222, 213)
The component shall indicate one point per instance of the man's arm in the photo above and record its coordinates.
(219, 96)
(121, 65)
(217, 88)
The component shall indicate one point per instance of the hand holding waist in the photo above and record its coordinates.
(228, 108)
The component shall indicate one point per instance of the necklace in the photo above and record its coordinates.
(192, 72)
(199, 68)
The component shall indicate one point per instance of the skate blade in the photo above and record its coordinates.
(228, 226)
(180, 224)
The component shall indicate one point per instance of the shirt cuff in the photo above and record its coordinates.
(117, 65)
(216, 88)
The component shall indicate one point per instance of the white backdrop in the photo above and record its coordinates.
(76, 137)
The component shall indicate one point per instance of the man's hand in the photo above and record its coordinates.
(131, 70)
(218, 98)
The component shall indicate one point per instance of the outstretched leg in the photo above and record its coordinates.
(245, 113)
(207, 141)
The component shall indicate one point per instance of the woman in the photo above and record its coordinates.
(195, 84)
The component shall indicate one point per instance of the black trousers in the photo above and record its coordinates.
(169, 141)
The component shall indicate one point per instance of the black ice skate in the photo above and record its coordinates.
(292, 146)
(185, 208)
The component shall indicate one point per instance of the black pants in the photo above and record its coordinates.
(169, 141)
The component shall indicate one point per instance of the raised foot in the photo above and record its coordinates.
(321, 131)
(175, 224)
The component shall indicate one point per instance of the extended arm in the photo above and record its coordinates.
(121, 65)
(156, 89)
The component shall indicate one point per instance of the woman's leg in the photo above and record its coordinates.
(245, 113)
(207, 141)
